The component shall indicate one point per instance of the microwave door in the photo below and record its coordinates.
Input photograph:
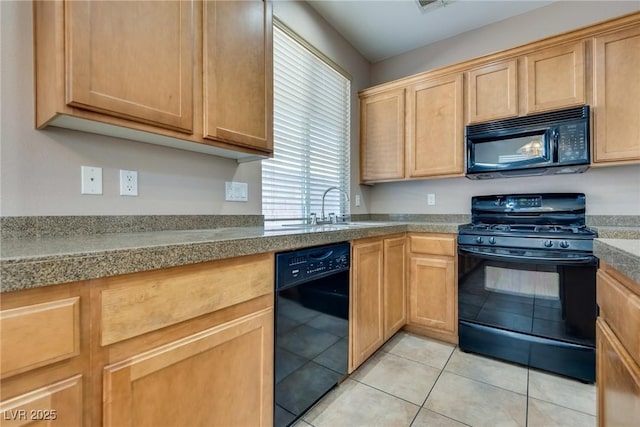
(508, 152)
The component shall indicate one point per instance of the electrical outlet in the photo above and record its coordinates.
(358, 201)
(128, 183)
(91, 178)
(431, 199)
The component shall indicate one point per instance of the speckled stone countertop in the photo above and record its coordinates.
(41, 261)
(621, 254)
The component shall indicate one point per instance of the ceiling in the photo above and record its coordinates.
(380, 29)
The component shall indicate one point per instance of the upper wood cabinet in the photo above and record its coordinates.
(616, 95)
(132, 60)
(555, 77)
(413, 131)
(435, 127)
(543, 80)
(186, 74)
(238, 72)
(382, 136)
(493, 91)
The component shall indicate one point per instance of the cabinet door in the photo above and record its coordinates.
(493, 92)
(133, 60)
(57, 404)
(222, 376)
(382, 136)
(555, 77)
(435, 127)
(238, 72)
(395, 295)
(366, 323)
(618, 381)
(617, 96)
(432, 293)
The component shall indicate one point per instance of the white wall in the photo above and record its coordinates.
(40, 170)
(609, 190)
(546, 21)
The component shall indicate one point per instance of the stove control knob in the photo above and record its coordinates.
(548, 243)
(564, 244)
(479, 239)
(492, 240)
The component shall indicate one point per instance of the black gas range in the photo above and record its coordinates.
(526, 282)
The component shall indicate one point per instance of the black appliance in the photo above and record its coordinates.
(311, 327)
(527, 282)
(540, 144)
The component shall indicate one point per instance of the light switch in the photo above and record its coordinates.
(236, 191)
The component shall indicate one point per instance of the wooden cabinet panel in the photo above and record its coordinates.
(220, 376)
(493, 92)
(395, 295)
(366, 316)
(435, 127)
(618, 381)
(38, 335)
(57, 404)
(555, 77)
(382, 136)
(621, 308)
(132, 60)
(433, 244)
(238, 72)
(617, 96)
(431, 293)
(134, 304)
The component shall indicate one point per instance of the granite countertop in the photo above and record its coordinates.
(34, 262)
(621, 254)
(31, 262)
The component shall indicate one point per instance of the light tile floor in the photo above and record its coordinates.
(419, 382)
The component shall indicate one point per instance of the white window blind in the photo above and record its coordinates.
(311, 134)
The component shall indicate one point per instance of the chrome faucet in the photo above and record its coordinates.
(322, 217)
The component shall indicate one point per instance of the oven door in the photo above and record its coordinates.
(537, 308)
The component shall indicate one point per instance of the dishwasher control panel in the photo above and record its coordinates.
(302, 265)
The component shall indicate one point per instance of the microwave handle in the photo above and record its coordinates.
(554, 141)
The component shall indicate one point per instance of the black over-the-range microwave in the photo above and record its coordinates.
(540, 144)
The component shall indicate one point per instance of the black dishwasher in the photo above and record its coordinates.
(311, 327)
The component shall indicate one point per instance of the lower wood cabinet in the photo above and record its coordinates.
(182, 346)
(618, 349)
(44, 357)
(432, 288)
(219, 376)
(378, 302)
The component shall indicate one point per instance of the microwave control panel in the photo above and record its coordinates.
(573, 142)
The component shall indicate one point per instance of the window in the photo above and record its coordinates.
(311, 134)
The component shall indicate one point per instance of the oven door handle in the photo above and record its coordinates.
(586, 259)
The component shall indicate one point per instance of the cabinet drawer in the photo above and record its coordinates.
(138, 303)
(39, 334)
(57, 404)
(434, 245)
(621, 309)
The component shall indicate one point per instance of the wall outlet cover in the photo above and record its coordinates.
(236, 191)
(128, 183)
(431, 199)
(91, 180)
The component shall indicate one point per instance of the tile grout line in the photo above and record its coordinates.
(432, 387)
